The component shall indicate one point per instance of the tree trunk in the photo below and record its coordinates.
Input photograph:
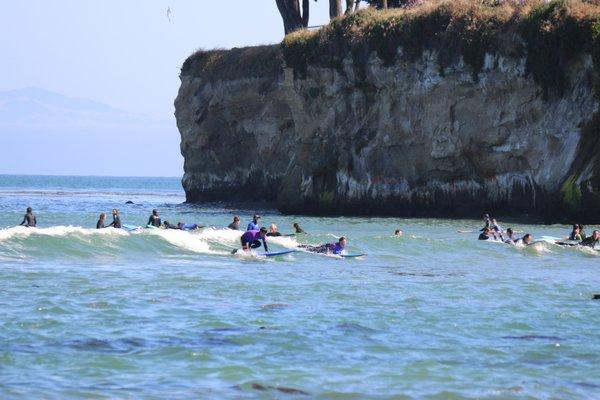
(292, 18)
(349, 6)
(384, 2)
(305, 8)
(335, 8)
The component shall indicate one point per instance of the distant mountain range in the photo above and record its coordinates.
(33, 106)
(43, 132)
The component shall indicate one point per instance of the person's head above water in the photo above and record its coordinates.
(256, 217)
(398, 232)
(509, 231)
(342, 241)
(296, 225)
(263, 231)
(29, 210)
(596, 235)
(236, 219)
(155, 212)
(528, 238)
(102, 216)
(273, 228)
(115, 212)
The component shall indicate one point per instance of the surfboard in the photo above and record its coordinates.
(130, 227)
(277, 253)
(352, 255)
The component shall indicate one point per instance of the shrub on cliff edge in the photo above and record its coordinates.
(555, 33)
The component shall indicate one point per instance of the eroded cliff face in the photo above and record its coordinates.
(399, 140)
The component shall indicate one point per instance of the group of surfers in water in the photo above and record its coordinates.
(493, 231)
(256, 235)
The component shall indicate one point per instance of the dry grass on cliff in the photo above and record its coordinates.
(237, 63)
(554, 34)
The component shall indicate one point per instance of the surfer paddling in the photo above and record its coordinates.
(327, 248)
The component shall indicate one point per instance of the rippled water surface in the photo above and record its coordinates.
(169, 314)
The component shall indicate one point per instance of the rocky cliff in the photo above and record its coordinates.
(328, 129)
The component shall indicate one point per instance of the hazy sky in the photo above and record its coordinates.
(125, 53)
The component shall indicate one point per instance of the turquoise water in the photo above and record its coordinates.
(166, 314)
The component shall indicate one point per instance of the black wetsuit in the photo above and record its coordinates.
(488, 224)
(324, 248)
(299, 230)
(116, 222)
(576, 236)
(483, 236)
(234, 225)
(29, 220)
(274, 234)
(589, 242)
(154, 220)
(510, 239)
(171, 226)
(100, 224)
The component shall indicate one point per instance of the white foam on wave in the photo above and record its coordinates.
(182, 239)
(57, 231)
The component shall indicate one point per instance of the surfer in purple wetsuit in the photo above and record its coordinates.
(328, 248)
(252, 239)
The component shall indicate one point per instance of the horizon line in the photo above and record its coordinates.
(92, 176)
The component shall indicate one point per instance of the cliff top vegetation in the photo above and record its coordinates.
(553, 34)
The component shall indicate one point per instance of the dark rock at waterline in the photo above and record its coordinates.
(596, 297)
(129, 202)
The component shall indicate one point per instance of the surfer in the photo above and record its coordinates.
(398, 233)
(189, 227)
(495, 227)
(168, 225)
(510, 236)
(273, 231)
(101, 221)
(592, 241)
(487, 222)
(182, 226)
(116, 219)
(297, 228)
(154, 219)
(525, 240)
(327, 248)
(486, 234)
(235, 225)
(582, 232)
(254, 226)
(252, 239)
(29, 219)
(575, 233)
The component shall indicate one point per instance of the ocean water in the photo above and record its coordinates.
(435, 314)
